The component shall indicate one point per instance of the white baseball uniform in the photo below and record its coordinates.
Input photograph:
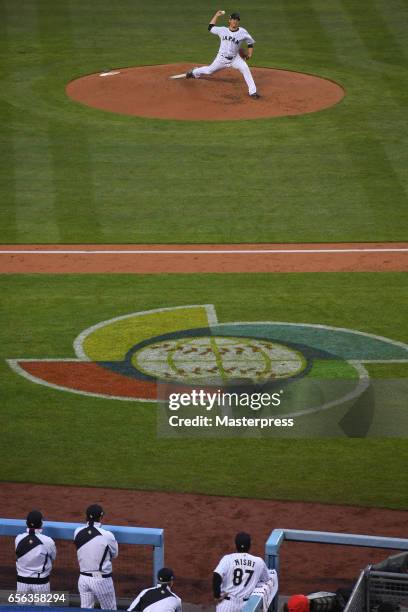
(156, 599)
(35, 553)
(240, 573)
(267, 590)
(96, 547)
(228, 54)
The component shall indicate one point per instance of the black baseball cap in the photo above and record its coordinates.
(165, 574)
(235, 16)
(34, 519)
(94, 512)
(243, 541)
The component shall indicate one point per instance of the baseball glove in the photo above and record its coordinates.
(244, 54)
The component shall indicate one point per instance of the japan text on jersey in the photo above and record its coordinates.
(230, 42)
(231, 39)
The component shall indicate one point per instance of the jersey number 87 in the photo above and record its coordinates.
(238, 576)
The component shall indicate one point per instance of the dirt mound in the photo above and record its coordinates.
(147, 91)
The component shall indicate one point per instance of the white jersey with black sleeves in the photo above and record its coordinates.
(35, 553)
(156, 599)
(96, 547)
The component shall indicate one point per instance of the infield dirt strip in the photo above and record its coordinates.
(165, 259)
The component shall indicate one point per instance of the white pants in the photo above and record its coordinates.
(234, 604)
(23, 587)
(221, 62)
(100, 589)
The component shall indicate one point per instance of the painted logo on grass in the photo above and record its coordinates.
(217, 360)
(127, 357)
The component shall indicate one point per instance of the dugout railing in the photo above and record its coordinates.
(279, 536)
(134, 568)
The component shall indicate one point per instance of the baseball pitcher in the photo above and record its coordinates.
(230, 53)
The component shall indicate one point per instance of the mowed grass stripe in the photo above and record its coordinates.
(369, 24)
(343, 35)
(9, 114)
(383, 186)
(375, 157)
(31, 192)
(34, 189)
(68, 145)
(72, 170)
(310, 34)
(7, 178)
(7, 174)
(386, 119)
(395, 14)
(389, 129)
(391, 45)
(276, 41)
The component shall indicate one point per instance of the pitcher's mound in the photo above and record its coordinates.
(147, 91)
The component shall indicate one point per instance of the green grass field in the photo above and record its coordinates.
(73, 174)
(117, 440)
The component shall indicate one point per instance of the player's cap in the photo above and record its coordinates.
(242, 541)
(34, 519)
(165, 574)
(235, 16)
(94, 512)
(298, 603)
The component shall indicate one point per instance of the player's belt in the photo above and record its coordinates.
(29, 580)
(228, 57)
(243, 598)
(96, 575)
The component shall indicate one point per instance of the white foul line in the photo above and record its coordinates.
(196, 251)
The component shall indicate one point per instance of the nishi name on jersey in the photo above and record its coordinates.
(244, 561)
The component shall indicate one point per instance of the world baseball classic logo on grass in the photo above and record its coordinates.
(127, 357)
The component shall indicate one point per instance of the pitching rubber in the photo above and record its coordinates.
(178, 76)
(109, 73)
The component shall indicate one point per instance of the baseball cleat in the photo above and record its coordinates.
(255, 96)
(190, 75)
